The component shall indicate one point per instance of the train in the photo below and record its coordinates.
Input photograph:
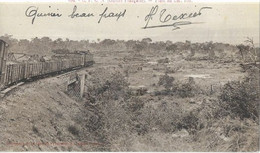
(13, 73)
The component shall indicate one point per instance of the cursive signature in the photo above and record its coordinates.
(176, 20)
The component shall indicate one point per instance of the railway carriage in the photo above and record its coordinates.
(13, 73)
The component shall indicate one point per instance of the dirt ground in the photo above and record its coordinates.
(205, 73)
(39, 116)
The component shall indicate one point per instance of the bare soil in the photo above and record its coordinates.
(39, 116)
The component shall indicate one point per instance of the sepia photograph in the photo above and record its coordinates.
(167, 76)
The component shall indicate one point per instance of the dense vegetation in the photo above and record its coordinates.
(47, 45)
(122, 116)
(224, 120)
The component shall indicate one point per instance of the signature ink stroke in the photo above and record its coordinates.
(168, 20)
(74, 13)
(117, 15)
(33, 12)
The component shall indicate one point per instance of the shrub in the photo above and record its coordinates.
(185, 90)
(134, 104)
(162, 116)
(165, 60)
(109, 90)
(73, 130)
(182, 89)
(35, 130)
(190, 122)
(241, 98)
(166, 81)
(107, 86)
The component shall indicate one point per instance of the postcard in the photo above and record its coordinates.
(129, 76)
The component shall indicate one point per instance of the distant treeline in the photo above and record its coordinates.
(45, 45)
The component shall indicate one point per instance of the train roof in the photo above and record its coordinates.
(66, 51)
(82, 51)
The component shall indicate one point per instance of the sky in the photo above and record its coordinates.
(225, 22)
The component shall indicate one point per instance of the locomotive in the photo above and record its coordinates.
(14, 73)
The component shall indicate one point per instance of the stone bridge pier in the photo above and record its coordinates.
(76, 84)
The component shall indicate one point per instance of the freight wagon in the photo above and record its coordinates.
(13, 73)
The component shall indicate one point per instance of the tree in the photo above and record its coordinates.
(249, 51)
(106, 43)
(147, 40)
(252, 51)
(130, 44)
(166, 81)
(172, 47)
(168, 43)
(24, 45)
(138, 47)
(208, 47)
(242, 48)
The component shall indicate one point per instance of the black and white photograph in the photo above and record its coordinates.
(167, 76)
